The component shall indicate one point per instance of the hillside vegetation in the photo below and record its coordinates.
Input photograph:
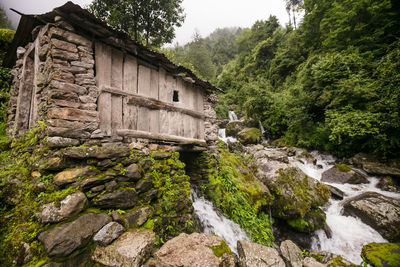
(333, 83)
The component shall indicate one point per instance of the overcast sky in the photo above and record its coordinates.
(203, 15)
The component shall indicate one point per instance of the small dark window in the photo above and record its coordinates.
(175, 97)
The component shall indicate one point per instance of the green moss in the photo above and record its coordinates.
(381, 254)
(306, 154)
(221, 249)
(149, 224)
(342, 167)
(299, 224)
(250, 136)
(235, 192)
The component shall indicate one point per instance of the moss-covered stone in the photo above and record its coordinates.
(221, 249)
(249, 136)
(235, 191)
(381, 254)
(342, 167)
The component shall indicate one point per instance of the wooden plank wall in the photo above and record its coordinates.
(124, 72)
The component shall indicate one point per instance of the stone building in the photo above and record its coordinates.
(91, 84)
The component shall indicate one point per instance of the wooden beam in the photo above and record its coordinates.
(151, 103)
(157, 136)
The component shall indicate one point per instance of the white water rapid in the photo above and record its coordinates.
(232, 115)
(216, 224)
(349, 234)
(222, 136)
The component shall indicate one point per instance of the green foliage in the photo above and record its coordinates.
(343, 167)
(237, 194)
(148, 21)
(381, 254)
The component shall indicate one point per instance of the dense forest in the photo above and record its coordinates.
(331, 83)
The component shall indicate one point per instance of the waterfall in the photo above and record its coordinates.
(216, 224)
(222, 136)
(349, 234)
(232, 116)
(262, 130)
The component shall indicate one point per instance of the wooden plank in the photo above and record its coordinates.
(158, 136)
(162, 86)
(154, 120)
(130, 115)
(116, 112)
(143, 121)
(154, 84)
(144, 81)
(164, 121)
(171, 86)
(103, 77)
(151, 103)
(116, 68)
(130, 74)
(117, 82)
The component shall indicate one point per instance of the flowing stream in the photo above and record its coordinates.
(349, 234)
(216, 224)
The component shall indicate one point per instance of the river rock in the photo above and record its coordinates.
(374, 167)
(120, 199)
(249, 136)
(295, 193)
(382, 254)
(380, 212)
(336, 192)
(342, 174)
(388, 184)
(69, 207)
(291, 253)
(69, 176)
(131, 249)
(256, 255)
(192, 250)
(62, 240)
(272, 154)
(108, 233)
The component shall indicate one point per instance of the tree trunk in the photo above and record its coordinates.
(294, 18)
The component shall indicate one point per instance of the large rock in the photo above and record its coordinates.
(295, 193)
(57, 142)
(71, 175)
(291, 253)
(256, 255)
(120, 199)
(374, 167)
(108, 233)
(131, 249)
(69, 207)
(193, 250)
(249, 136)
(342, 174)
(380, 212)
(62, 240)
(382, 254)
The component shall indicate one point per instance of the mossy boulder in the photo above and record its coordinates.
(295, 193)
(342, 174)
(381, 254)
(249, 136)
